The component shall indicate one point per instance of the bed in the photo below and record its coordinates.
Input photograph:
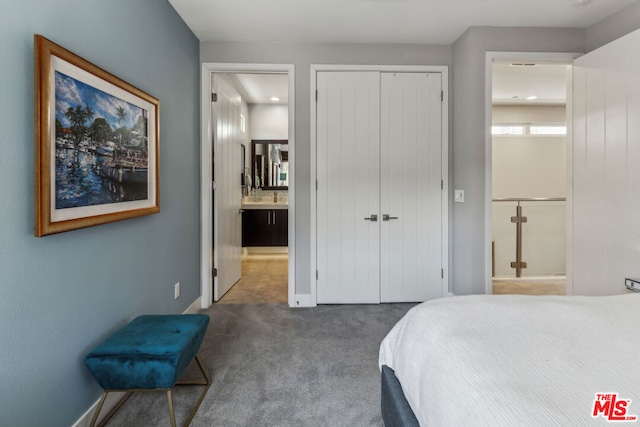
(511, 360)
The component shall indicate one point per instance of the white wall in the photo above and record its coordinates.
(606, 180)
(529, 166)
(269, 121)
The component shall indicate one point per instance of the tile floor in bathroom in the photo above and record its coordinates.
(264, 280)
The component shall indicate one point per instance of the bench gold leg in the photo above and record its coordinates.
(98, 409)
(172, 414)
(206, 382)
(111, 412)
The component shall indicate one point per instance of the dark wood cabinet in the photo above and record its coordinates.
(280, 236)
(265, 227)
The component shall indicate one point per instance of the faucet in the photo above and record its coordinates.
(275, 197)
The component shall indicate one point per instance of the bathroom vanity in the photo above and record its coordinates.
(265, 224)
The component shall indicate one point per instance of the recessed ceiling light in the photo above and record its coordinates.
(531, 98)
(275, 99)
(579, 2)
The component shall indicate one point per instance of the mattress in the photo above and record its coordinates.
(518, 360)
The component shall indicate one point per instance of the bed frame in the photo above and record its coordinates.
(396, 411)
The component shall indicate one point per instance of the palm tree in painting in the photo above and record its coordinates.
(88, 113)
(77, 118)
(121, 113)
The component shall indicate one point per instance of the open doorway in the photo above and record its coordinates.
(265, 177)
(248, 128)
(528, 175)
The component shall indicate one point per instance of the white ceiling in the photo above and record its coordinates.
(513, 83)
(260, 88)
(378, 21)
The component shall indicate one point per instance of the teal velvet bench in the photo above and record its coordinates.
(149, 354)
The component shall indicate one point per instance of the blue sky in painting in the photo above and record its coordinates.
(71, 92)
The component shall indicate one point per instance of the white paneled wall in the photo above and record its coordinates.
(606, 168)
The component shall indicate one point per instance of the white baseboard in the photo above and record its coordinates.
(114, 397)
(251, 250)
(195, 307)
(303, 300)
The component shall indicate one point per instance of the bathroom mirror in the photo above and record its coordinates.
(270, 163)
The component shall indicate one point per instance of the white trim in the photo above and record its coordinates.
(305, 300)
(444, 72)
(194, 308)
(114, 397)
(206, 152)
(561, 58)
(569, 203)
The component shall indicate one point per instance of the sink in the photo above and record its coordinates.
(247, 203)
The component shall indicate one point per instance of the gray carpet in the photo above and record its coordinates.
(275, 366)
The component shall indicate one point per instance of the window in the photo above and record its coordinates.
(508, 129)
(547, 129)
(530, 129)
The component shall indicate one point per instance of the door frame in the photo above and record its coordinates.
(207, 196)
(561, 58)
(444, 72)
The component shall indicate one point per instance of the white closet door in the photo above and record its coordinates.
(411, 173)
(348, 156)
(228, 195)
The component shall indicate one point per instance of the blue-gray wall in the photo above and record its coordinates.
(61, 295)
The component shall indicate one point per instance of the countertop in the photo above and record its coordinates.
(264, 204)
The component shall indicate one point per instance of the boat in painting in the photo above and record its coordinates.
(106, 149)
(126, 172)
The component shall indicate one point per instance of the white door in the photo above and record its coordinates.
(348, 173)
(227, 224)
(379, 139)
(410, 185)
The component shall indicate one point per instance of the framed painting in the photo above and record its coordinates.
(96, 144)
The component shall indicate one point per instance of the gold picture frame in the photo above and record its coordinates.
(96, 144)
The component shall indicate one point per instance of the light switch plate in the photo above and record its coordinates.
(458, 196)
(632, 284)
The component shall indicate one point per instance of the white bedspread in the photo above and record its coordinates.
(509, 360)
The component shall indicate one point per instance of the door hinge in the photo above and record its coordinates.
(316, 185)
(316, 96)
(214, 272)
(214, 185)
(441, 96)
(214, 97)
(442, 273)
(442, 184)
(316, 274)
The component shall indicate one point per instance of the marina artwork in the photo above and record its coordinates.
(101, 146)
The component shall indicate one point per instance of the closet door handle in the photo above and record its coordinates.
(372, 218)
(386, 217)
